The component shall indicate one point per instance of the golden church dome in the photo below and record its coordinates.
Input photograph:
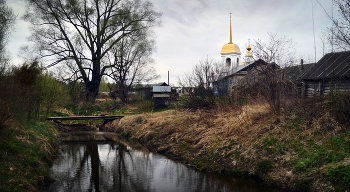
(248, 54)
(249, 48)
(230, 48)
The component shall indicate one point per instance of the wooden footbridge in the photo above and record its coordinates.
(106, 118)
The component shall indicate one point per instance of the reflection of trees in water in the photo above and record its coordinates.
(187, 179)
(124, 172)
(69, 166)
(116, 167)
(80, 168)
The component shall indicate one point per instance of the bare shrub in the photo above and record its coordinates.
(196, 85)
(268, 78)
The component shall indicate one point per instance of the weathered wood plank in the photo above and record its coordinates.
(85, 118)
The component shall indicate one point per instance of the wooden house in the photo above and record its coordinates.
(289, 76)
(330, 73)
(226, 83)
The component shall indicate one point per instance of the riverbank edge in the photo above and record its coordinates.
(177, 145)
(191, 161)
(27, 152)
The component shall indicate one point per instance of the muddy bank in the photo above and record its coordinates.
(291, 153)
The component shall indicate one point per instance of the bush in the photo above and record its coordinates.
(28, 91)
(339, 105)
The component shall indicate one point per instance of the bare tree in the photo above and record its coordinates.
(132, 63)
(278, 49)
(276, 53)
(203, 74)
(338, 34)
(82, 32)
(197, 84)
(7, 19)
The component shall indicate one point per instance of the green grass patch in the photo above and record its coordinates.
(269, 142)
(25, 154)
(304, 165)
(85, 110)
(183, 146)
(264, 166)
(127, 134)
(339, 175)
(302, 184)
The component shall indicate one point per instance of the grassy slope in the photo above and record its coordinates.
(295, 152)
(25, 154)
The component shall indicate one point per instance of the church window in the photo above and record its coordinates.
(228, 62)
(238, 61)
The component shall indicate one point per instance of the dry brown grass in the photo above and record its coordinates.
(231, 138)
(200, 129)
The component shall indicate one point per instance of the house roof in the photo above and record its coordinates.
(257, 75)
(247, 66)
(332, 65)
(149, 86)
(292, 73)
(243, 68)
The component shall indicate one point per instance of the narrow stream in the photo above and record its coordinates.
(102, 162)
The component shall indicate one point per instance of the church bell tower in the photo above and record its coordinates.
(230, 53)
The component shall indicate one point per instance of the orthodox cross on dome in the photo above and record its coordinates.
(248, 55)
(230, 30)
(249, 48)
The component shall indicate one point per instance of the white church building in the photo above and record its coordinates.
(233, 67)
(231, 54)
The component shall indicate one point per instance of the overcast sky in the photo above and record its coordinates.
(194, 29)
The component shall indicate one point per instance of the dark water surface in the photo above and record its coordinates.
(91, 162)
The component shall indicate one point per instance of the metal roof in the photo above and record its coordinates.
(332, 65)
(242, 69)
(291, 73)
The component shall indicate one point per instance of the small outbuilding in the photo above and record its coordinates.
(161, 95)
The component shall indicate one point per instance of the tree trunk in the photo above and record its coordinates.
(93, 86)
(124, 96)
(92, 89)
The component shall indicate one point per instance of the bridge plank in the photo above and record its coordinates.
(85, 118)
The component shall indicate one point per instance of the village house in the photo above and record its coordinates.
(226, 84)
(330, 73)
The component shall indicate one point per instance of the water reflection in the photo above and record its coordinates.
(115, 166)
